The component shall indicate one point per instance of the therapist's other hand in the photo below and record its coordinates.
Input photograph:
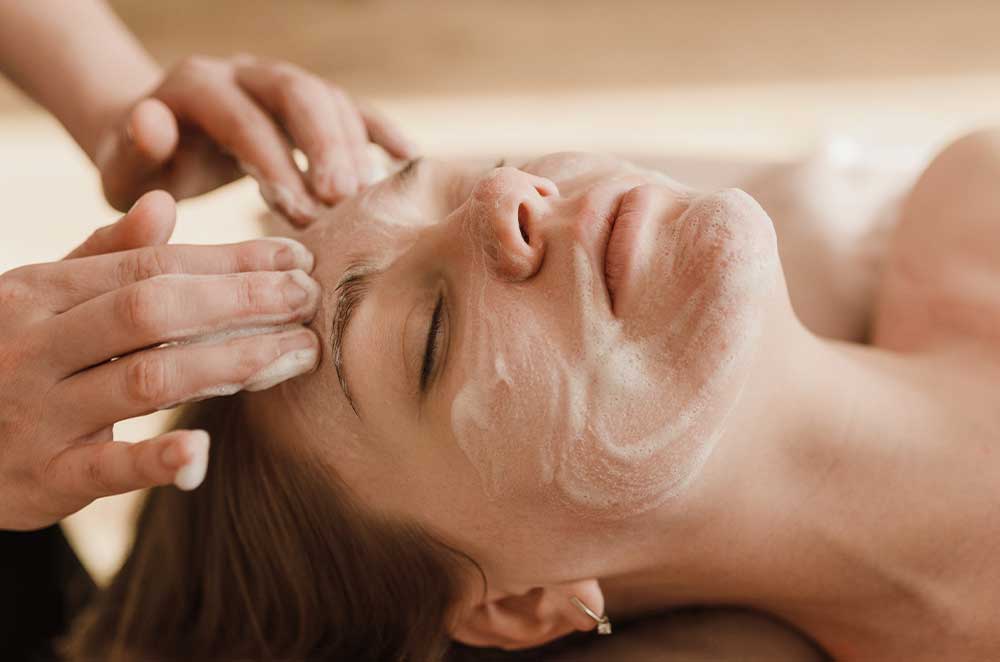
(210, 120)
(124, 295)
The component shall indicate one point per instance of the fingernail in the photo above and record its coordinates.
(305, 209)
(192, 473)
(324, 183)
(299, 209)
(298, 289)
(292, 255)
(301, 358)
(345, 182)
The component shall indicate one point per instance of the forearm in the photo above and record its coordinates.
(75, 58)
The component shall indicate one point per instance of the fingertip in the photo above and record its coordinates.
(293, 255)
(322, 181)
(394, 142)
(345, 183)
(402, 148)
(334, 179)
(298, 206)
(158, 202)
(153, 130)
(194, 466)
(151, 220)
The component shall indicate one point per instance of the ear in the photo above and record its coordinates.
(525, 620)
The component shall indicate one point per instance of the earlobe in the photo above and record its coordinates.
(526, 620)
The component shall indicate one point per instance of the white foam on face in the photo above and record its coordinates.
(611, 417)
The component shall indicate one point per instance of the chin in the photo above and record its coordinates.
(663, 397)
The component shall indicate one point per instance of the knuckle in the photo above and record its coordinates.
(143, 310)
(337, 94)
(243, 129)
(147, 381)
(255, 293)
(14, 287)
(252, 356)
(97, 475)
(144, 264)
(298, 91)
(143, 471)
(254, 255)
(20, 356)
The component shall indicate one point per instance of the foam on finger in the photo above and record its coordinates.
(192, 473)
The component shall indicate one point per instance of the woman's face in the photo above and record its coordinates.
(512, 351)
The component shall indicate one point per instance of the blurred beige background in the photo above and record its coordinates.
(729, 79)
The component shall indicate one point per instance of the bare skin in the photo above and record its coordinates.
(914, 537)
(200, 125)
(836, 499)
(815, 258)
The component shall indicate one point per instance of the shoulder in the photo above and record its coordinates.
(833, 212)
(942, 279)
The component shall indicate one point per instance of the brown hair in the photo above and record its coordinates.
(270, 559)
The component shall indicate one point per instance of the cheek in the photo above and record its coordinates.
(505, 414)
(562, 406)
(660, 398)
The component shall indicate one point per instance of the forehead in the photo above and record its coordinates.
(367, 226)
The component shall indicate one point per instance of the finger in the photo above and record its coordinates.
(89, 471)
(150, 222)
(353, 128)
(230, 116)
(136, 154)
(174, 308)
(310, 112)
(63, 285)
(384, 133)
(161, 378)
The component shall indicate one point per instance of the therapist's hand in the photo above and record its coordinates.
(124, 294)
(210, 120)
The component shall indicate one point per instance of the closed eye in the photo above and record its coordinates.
(431, 348)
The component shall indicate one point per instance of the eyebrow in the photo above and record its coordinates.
(409, 171)
(351, 290)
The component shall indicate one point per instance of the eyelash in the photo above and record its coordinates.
(430, 351)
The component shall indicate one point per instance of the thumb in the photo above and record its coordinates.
(149, 223)
(135, 152)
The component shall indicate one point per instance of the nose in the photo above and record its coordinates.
(505, 207)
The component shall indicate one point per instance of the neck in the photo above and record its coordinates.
(791, 514)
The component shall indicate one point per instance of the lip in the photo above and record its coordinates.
(623, 260)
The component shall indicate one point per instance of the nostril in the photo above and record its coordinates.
(522, 220)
